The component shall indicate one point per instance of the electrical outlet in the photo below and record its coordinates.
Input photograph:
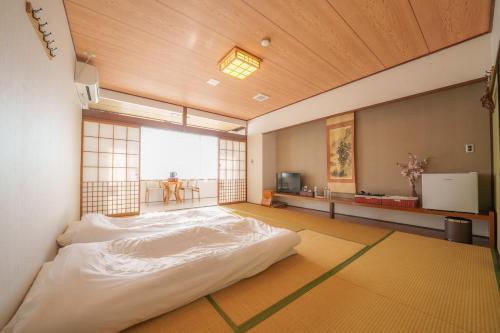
(469, 148)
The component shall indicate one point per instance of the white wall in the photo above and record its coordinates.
(495, 33)
(457, 64)
(254, 167)
(40, 120)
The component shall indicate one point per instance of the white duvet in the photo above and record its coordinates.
(111, 285)
(99, 228)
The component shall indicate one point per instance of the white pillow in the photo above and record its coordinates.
(92, 228)
(100, 228)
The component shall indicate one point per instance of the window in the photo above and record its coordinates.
(192, 156)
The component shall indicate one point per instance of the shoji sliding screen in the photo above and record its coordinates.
(232, 185)
(110, 168)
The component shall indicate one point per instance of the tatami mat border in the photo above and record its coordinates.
(250, 323)
(222, 313)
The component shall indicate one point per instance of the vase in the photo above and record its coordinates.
(413, 193)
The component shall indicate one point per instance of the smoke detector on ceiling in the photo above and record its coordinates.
(260, 97)
(265, 42)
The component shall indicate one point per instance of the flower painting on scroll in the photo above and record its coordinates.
(341, 152)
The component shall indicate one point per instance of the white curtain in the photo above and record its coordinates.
(190, 155)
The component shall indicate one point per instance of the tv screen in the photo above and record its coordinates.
(288, 182)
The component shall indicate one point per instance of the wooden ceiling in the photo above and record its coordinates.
(167, 49)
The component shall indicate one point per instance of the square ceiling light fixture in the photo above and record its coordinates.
(239, 63)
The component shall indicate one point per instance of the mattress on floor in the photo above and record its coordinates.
(99, 228)
(111, 285)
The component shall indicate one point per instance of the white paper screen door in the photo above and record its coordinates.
(110, 176)
(232, 182)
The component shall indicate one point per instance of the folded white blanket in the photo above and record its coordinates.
(109, 286)
(99, 228)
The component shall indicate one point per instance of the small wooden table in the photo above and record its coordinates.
(166, 184)
(488, 217)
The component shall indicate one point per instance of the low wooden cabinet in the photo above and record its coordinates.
(485, 216)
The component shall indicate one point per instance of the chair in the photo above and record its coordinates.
(152, 185)
(191, 185)
(178, 188)
(167, 190)
(195, 188)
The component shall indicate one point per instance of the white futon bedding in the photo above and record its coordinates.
(110, 285)
(99, 228)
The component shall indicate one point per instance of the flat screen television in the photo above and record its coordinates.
(288, 182)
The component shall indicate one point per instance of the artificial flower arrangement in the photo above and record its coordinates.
(412, 170)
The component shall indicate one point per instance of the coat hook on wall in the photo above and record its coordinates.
(36, 13)
(46, 37)
(41, 29)
(53, 51)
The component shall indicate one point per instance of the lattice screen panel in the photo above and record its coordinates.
(232, 185)
(110, 198)
(110, 168)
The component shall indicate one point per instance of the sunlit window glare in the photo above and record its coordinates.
(192, 156)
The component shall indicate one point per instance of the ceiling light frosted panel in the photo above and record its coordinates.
(239, 63)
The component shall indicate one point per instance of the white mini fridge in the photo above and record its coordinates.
(456, 192)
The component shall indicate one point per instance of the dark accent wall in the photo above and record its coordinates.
(437, 125)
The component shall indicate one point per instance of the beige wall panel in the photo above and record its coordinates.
(436, 126)
(303, 149)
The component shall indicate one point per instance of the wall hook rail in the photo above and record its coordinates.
(42, 29)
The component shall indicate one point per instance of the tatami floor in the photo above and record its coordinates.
(350, 277)
(153, 207)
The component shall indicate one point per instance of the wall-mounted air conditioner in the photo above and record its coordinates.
(87, 83)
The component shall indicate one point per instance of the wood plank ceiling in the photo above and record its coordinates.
(167, 49)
